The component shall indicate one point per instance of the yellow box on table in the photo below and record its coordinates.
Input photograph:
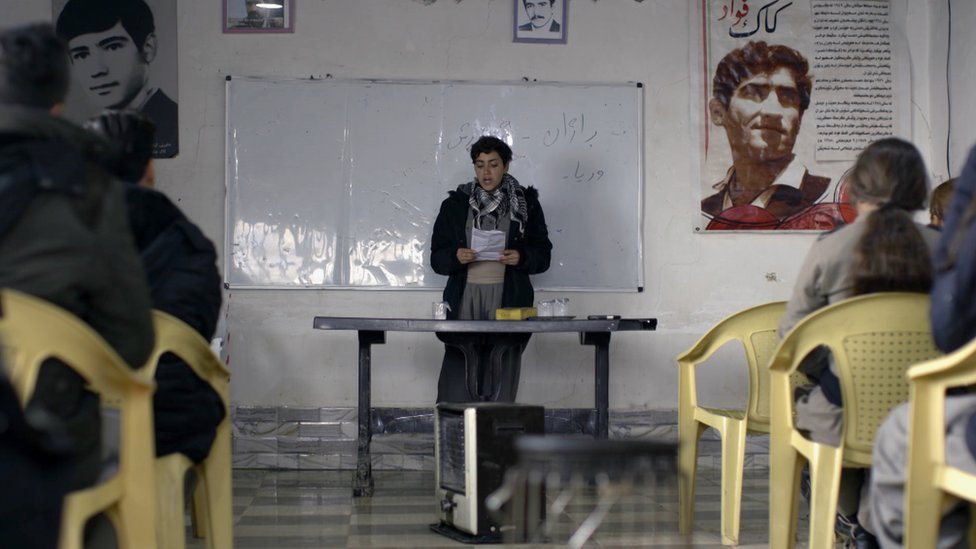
(515, 313)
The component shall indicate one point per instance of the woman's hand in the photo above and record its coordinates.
(510, 257)
(466, 255)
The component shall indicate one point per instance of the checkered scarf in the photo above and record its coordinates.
(488, 207)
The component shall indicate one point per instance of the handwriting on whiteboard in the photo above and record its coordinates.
(569, 129)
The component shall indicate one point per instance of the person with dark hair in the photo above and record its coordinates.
(111, 44)
(541, 16)
(939, 203)
(180, 264)
(759, 95)
(953, 316)
(889, 178)
(64, 234)
(493, 201)
(883, 250)
(130, 135)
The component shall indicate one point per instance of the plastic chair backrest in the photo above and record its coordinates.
(764, 346)
(213, 506)
(175, 336)
(873, 340)
(32, 331)
(930, 481)
(755, 328)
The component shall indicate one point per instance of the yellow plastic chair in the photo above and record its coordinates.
(33, 330)
(756, 329)
(932, 484)
(873, 339)
(212, 504)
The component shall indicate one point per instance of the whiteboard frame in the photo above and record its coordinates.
(637, 86)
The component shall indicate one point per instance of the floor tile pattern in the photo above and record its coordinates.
(286, 437)
(285, 509)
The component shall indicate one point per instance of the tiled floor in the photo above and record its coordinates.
(300, 509)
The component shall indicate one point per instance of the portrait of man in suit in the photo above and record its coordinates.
(112, 45)
(540, 21)
(760, 93)
(541, 16)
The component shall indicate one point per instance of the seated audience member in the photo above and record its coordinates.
(32, 473)
(939, 203)
(64, 233)
(953, 316)
(180, 264)
(883, 250)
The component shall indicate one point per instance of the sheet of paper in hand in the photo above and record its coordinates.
(488, 244)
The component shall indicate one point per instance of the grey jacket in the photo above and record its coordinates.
(825, 275)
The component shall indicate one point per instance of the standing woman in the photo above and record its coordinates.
(492, 201)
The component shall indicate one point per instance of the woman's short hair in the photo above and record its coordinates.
(890, 172)
(130, 134)
(939, 202)
(488, 144)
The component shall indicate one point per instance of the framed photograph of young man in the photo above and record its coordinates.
(541, 21)
(123, 56)
(259, 15)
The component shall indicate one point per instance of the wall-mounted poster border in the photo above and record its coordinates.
(259, 16)
(123, 56)
(786, 94)
(539, 21)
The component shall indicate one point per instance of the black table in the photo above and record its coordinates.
(373, 331)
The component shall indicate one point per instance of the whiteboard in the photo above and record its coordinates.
(336, 183)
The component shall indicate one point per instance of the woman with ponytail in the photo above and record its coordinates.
(883, 250)
(953, 316)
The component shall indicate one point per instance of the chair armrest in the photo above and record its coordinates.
(731, 328)
(952, 370)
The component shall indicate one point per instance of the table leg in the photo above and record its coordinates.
(363, 482)
(601, 377)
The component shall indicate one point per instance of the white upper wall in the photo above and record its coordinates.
(691, 280)
(961, 81)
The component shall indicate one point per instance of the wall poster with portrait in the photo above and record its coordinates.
(123, 56)
(786, 94)
(540, 21)
(259, 16)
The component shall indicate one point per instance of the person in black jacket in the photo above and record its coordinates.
(180, 264)
(64, 236)
(480, 281)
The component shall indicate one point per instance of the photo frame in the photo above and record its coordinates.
(539, 21)
(259, 16)
(108, 73)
